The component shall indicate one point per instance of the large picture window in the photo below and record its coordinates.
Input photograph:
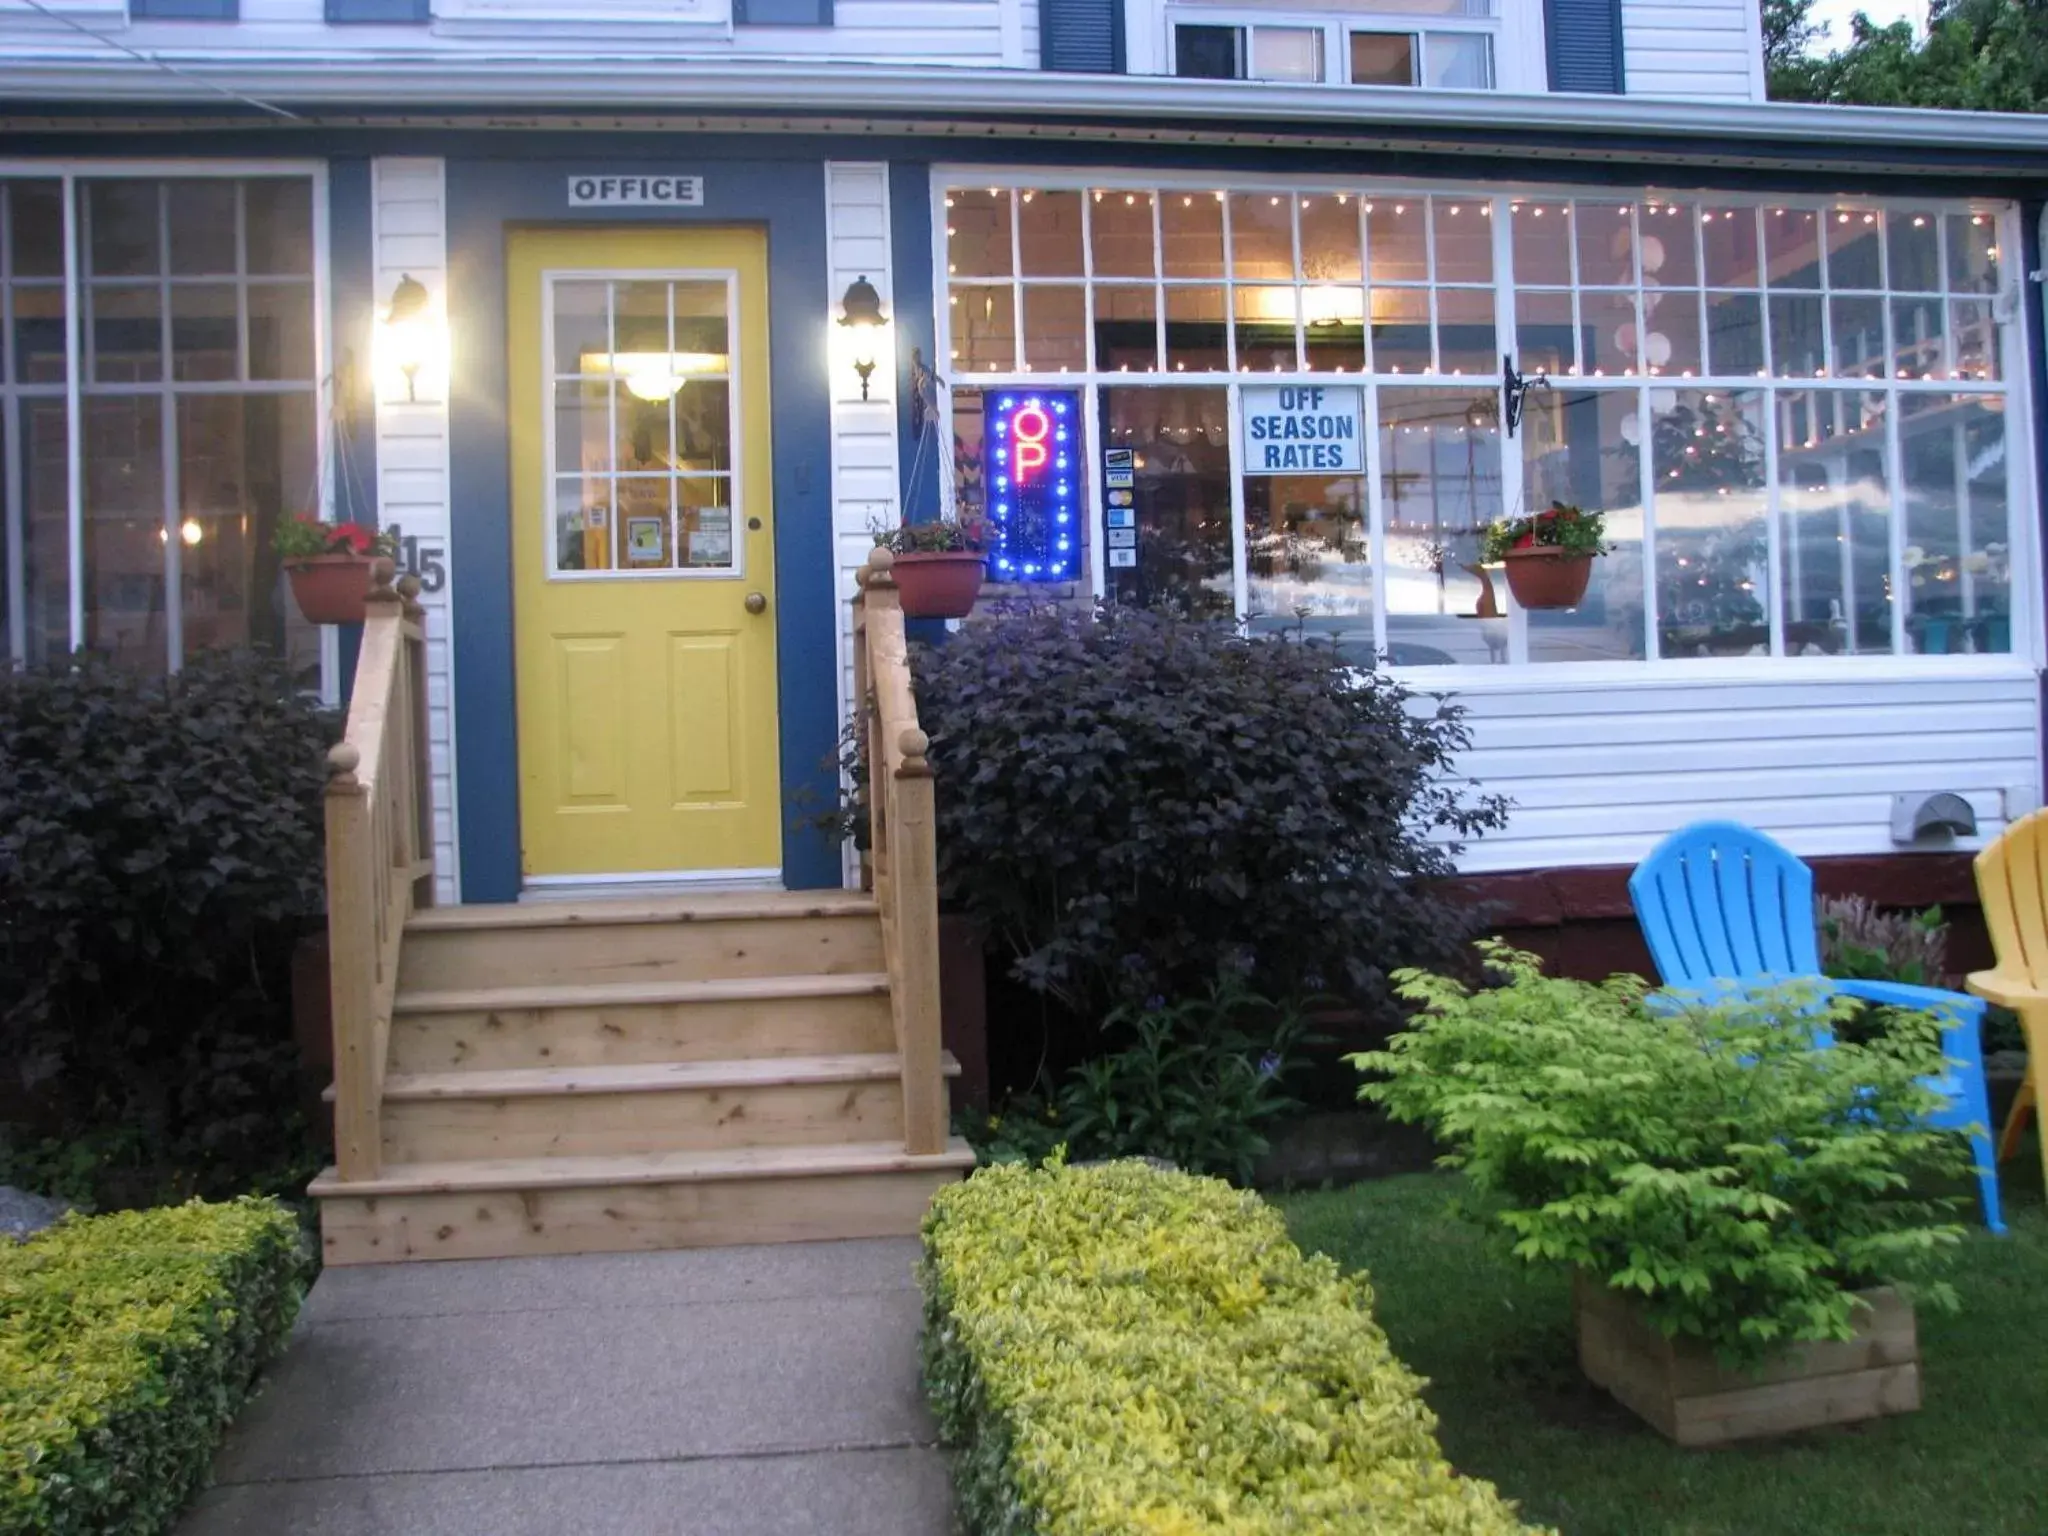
(1792, 411)
(196, 405)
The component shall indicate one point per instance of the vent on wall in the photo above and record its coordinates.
(1920, 818)
(1081, 36)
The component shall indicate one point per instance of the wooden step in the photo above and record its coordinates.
(565, 944)
(620, 1024)
(502, 1208)
(612, 1111)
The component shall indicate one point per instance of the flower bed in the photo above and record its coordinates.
(127, 1342)
(1117, 1350)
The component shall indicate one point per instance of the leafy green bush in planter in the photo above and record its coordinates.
(127, 1343)
(160, 855)
(1132, 800)
(1741, 1180)
(1117, 1351)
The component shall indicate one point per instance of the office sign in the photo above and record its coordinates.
(636, 191)
(1292, 429)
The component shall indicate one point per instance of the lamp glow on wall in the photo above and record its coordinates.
(412, 344)
(864, 330)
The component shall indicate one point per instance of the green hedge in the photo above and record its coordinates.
(127, 1342)
(1116, 1351)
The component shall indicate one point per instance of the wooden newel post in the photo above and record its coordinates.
(352, 965)
(915, 887)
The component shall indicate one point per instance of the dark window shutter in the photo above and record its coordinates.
(782, 13)
(1585, 45)
(185, 10)
(348, 12)
(1081, 36)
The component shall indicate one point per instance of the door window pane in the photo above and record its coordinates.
(1382, 58)
(1834, 506)
(1179, 544)
(1582, 446)
(1440, 485)
(1711, 507)
(1460, 61)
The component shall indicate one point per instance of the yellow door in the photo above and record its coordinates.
(644, 555)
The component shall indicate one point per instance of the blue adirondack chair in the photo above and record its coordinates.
(1722, 904)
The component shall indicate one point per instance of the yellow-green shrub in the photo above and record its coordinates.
(1117, 1351)
(127, 1342)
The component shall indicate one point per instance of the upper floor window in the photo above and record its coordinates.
(1447, 44)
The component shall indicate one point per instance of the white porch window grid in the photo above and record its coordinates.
(79, 289)
(1968, 372)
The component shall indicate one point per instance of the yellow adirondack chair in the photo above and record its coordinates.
(2012, 882)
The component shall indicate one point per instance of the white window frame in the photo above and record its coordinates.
(1336, 33)
(1520, 63)
(2027, 652)
(731, 378)
(70, 172)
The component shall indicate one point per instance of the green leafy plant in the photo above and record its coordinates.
(940, 537)
(304, 537)
(160, 859)
(127, 1343)
(1861, 942)
(1720, 1163)
(1563, 526)
(1195, 1086)
(1131, 801)
(1118, 1351)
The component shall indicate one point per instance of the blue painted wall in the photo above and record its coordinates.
(486, 198)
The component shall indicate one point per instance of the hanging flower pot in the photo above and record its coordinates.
(938, 567)
(331, 589)
(1542, 576)
(939, 584)
(1549, 557)
(329, 566)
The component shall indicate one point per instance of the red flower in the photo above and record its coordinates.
(352, 536)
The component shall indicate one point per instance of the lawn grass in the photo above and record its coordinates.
(1495, 1340)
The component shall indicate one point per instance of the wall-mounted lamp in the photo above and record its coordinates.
(406, 332)
(861, 314)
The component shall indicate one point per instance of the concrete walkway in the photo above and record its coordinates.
(725, 1392)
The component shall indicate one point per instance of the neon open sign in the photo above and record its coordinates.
(1034, 474)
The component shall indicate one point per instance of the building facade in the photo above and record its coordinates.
(1296, 298)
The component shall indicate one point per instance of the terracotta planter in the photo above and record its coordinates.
(1688, 1396)
(1543, 576)
(939, 584)
(330, 589)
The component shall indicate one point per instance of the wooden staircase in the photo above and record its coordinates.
(578, 1078)
(599, 1076)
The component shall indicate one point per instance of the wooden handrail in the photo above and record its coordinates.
(902, 864)
(380, 866)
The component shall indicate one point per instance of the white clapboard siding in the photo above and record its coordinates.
(958, 32)
(1599, 775)
(409, 234)
(1711, 49)
(864, 447)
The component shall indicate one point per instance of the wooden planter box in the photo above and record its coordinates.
(1685, 1393)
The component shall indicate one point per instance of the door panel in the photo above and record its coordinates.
(642, 523)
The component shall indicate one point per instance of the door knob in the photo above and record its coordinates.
(756, 603)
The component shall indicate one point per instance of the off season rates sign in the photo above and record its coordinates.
(1292, 428)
